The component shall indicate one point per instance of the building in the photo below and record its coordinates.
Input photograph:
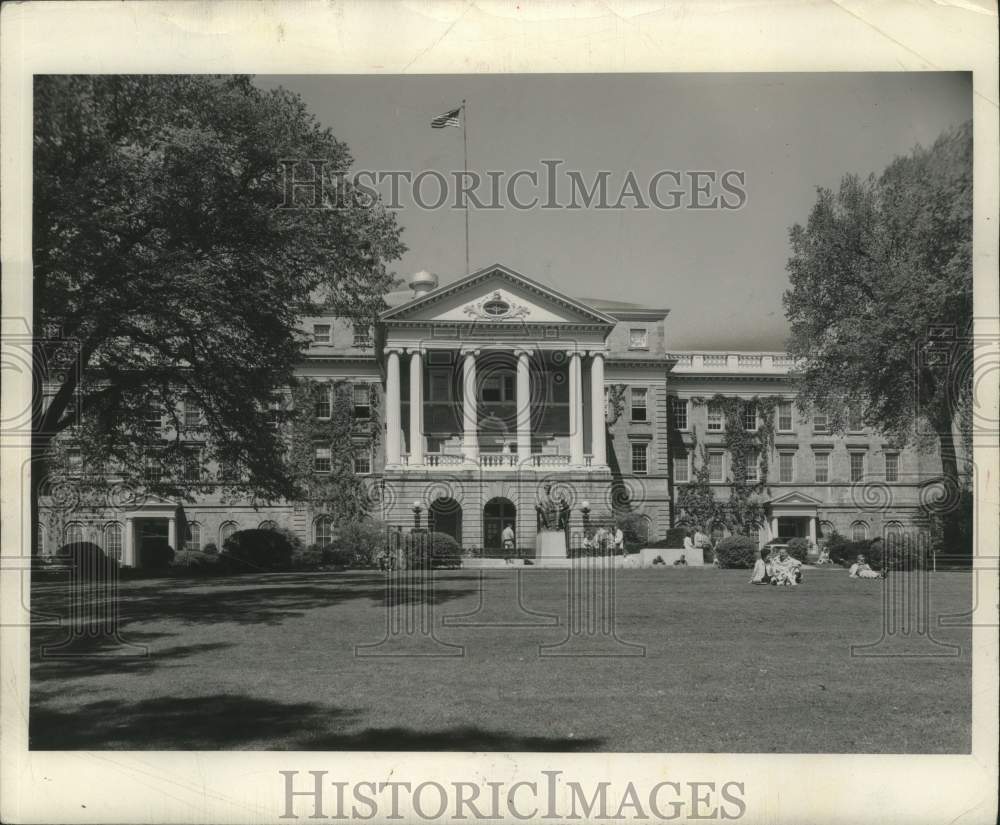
(488, 389)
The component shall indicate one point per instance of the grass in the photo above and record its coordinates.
(268, 662)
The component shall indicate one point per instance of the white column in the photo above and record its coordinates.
(172, 532)
(128, 543)
(470, 418)
(392, 410)
(812, 530)
(523, 407)
(598, 447)
(774, 527)
(416, 407)
(575, 410)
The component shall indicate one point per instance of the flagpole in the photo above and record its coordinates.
(465, 149)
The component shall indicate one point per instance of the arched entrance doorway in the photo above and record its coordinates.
(497, 514)
(445, 516)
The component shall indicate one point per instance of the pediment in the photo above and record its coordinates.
(497, 295)
(794, 498)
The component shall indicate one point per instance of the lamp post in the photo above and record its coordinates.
(585, 510)
(417, 507)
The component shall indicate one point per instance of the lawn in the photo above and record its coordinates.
(269, 662)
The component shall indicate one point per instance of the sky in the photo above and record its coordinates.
(721, 273)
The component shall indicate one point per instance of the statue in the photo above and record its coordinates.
(548, 511)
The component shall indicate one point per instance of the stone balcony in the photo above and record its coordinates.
(499, 462)
(724, 363)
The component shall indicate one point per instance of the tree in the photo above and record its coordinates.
(880, 304)
(170, 268)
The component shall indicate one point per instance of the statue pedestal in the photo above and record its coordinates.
(550, 544)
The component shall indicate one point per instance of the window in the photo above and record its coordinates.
(362, 335)
(152, 417)
(820, 423)
(322, 461)
(74, 462)
(639, 458)
(273, 415)
(679, 413)
(716, 470)
(73, 534)
(714, 417)
(497, 387)
(892, 466)
(496, 308)
(228, 471)
(225, 531)
(362, 401)
(153, 471)
(113, 541)
(748, 415)
(857, 466)
(40, 537)
(785, 416)
(751, 466)
(638, 338)
(268, 525)
(192, 415)
(363, 463)
(786, 467)
(681, 469)
(855, 424)
(324, 530)
(639, 412)
(321, 333)
(192, 465)
(194, 543)
(893, 534)
(440, 386)
(822, 468)
(322, 407)
(859, 531)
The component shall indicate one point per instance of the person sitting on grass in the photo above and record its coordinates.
(681, 562)
(786, 570)
(862, 570)
(824, 557)
(760, 574)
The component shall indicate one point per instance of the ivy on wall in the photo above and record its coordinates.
(616, 402)
(340, 493)
(744, 511)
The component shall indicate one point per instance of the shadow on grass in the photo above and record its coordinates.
(254, 599)
(223, 722)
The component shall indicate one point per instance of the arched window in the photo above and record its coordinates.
(73, 533)
(113, 540)
(194, 543)
(324, 530)
(826, 529)
(40, 537)
(225, 531)
(859, 531)
(268, 525)
(893, 532)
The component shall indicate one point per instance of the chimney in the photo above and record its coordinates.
(423, 282)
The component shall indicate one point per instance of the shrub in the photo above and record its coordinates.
(798, 548)
(359, 543)
(633, 527)
(307, 558)
(85, 555)
(439, 549)
(210, 549)
(257, 550)
(156, 554)
(674, 539)
(846, 552)
(195, 561)
(736, 551)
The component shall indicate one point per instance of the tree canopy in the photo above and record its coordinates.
(880, 304)
(168, 270)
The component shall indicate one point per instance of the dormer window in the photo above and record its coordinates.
(496, 308)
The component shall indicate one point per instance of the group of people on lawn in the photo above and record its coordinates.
(778, 569)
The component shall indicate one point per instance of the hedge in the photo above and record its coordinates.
(736, 552)
(195, 561)
(85, 555)
(674, 540)
(156, 554)
(247, 551)
(798, 548)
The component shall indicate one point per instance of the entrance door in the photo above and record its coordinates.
(791, 527)
(497, 514)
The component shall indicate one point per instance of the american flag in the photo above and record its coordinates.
(447, 119)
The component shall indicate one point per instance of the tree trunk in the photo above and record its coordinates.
(953, 483)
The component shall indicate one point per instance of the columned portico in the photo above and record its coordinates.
(470, 414)
(416, 407)
(523, 407)
(393, 413)
(597, 435)
(575, 409)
